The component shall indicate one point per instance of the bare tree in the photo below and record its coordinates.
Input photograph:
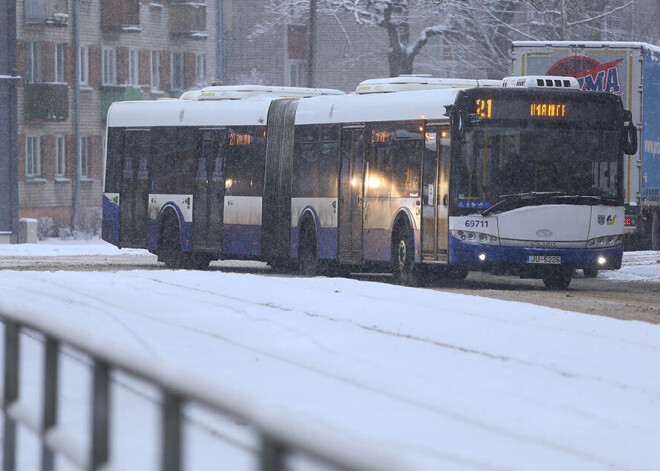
(474, 35)
(409, 24)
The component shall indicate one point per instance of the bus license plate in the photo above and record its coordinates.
(545, 259)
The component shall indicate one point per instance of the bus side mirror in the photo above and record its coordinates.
(629, 139)
(458, 125)
(457, 121)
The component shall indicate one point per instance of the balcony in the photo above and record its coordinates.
(110, 94)
(120, 15)
(188, 20)
(49, 12)
(46, 101)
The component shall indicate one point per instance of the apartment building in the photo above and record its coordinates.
(142, 49)
(128, 50)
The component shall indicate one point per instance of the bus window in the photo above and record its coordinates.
(173, 160)
(316, 161)
(244, 164)
(113, 166)
(408, 148)
(381, 158)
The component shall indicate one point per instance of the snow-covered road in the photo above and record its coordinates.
(446, 381)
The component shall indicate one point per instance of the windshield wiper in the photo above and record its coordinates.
(519, 200)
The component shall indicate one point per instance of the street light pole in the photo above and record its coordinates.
(8, 124)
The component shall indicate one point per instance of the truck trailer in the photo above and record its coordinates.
(632, 71)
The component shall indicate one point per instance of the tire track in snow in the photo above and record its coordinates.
(458, 348)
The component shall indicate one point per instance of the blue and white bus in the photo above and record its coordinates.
(424, 177)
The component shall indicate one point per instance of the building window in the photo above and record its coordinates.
(59, 62)
(60, 156)
(200, 68)
(155, 70)
(33, 156)
(32, 74)
(109, 66)
(296, 73)
(177, 70)
(84, 156)
(83, 65)
(133, 67)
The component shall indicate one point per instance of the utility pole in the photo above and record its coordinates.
(8, 124)
(311, 43)
(76, 112)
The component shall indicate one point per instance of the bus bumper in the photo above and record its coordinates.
(516, 259)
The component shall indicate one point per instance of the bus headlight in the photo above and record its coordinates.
(606, 241)
(476, 238)
(602, 260)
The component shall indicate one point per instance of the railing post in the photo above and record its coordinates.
(272, 454)
(51, 361)
(100, 415)
(171, 443)
(12, 332)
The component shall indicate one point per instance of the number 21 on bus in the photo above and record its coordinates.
(485, 108)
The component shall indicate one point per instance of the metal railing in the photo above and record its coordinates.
(278, 438)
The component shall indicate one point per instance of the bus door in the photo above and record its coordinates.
(351, 192)
(209, 190)
(435, 195)
(134, 189)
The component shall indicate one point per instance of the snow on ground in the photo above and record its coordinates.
(444, 381)
(65, 247)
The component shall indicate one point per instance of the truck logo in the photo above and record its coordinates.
(652, 147)
(590, 74)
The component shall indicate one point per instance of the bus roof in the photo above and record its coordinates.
(243, 92)
(427, 104)
(189, 113)
(419, 82)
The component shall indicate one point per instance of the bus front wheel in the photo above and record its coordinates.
(558, 279)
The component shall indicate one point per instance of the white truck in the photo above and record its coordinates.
(632, 71)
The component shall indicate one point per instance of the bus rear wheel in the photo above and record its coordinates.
(403, 257)
(308, 258)
(169, 250)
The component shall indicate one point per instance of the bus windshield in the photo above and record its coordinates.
(496, 162)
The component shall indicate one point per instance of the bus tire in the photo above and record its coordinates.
(558, 279)
(590, 272)
(194, 261)
(655, 231)
(308, 254)
(169, 247)
(403, 256)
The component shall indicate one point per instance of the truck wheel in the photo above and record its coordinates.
(558, 279)
(655, 231)
(403, 256)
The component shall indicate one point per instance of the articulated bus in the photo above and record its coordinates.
(423, 177)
